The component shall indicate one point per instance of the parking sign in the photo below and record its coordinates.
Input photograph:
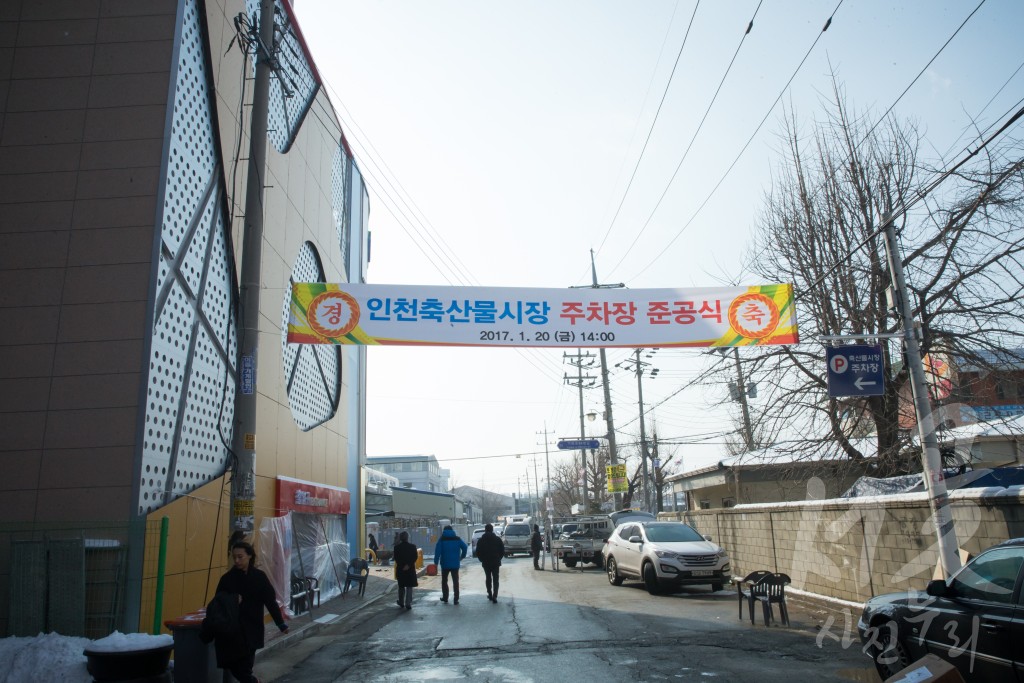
(855, 370)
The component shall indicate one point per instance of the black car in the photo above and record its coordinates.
(975, 620)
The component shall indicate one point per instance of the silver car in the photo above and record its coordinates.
(516, 538)
(664, 555)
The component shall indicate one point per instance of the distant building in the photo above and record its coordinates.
(993, 392)
(490, 505)
(421, 472)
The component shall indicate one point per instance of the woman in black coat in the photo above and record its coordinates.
(253, 591)
(405, 569)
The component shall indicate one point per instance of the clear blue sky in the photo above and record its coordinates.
(498, 139)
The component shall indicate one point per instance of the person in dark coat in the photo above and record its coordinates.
(536, 545)
(371, 543)
(405, 569)
(448, 555)
(252, 591)
(490, 550)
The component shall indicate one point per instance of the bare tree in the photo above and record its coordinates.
(820, 229)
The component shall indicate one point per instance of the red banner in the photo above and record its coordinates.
(306, 496)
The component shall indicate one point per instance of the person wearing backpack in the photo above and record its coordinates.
(234, 618)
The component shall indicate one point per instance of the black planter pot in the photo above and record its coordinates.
(132, 665)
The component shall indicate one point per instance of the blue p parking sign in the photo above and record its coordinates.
(855, 370)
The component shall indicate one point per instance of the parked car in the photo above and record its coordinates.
(665, 556)
(517, 538)
(477, 533)
(973, 620)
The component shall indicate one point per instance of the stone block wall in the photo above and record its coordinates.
(853, 549)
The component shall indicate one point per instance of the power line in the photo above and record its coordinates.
(707, 111)
(651, 129)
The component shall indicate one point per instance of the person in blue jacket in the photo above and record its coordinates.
(448, 554)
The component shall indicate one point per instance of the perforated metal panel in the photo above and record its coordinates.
(341, 190)
(312, 371)
(191, 388)
(294, 83)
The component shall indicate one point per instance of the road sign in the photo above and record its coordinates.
(577, 444)
(855, 370)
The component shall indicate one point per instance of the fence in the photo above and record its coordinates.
(73, 578)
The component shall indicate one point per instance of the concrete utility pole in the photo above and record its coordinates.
(931, 460)
(645, 455)
(547, 487)
(243, 441)
(741, 388)
(609, 421)
(579, 381)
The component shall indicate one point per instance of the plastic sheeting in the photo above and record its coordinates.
(302, 545)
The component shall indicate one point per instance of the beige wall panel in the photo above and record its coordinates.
(287, 436)
(267, 436)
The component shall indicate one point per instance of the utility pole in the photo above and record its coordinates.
(609, 421)
(741, 388)
(931, 460)
(547, 488)
(639, 369)
(243, 441)
(579, 382)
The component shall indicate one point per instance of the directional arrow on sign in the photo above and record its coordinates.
(860, 383)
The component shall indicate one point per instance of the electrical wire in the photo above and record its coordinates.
(707, 111)
(743, 149)
(650, 130)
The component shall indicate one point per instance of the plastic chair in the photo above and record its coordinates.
(745, 590)
(358, 570)
(300, 595)
(313, 588)
(772, 591)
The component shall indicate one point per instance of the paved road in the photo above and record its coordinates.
(565, 626)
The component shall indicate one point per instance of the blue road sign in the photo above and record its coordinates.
(576, 444)
(855, 370)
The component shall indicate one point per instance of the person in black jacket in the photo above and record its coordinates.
(536, 545)
(490, 550)
(252, 591)
(405, 569)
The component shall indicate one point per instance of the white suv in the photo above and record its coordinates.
(477, 533)
(664, 555)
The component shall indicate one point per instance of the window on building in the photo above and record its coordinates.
(728, 502)
(705, 505)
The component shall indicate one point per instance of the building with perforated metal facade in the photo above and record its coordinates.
(123, 146)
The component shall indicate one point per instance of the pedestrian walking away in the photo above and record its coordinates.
(405, 569)
(536, 545)
(448, 555)
(490, 550)
(371, 543)
(234, 618)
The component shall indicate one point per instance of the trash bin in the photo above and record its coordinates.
(431, 569)
(194, 660)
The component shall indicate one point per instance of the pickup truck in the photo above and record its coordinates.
(582, 538)
(584, 543)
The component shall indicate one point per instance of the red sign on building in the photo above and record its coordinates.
(312, 498)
